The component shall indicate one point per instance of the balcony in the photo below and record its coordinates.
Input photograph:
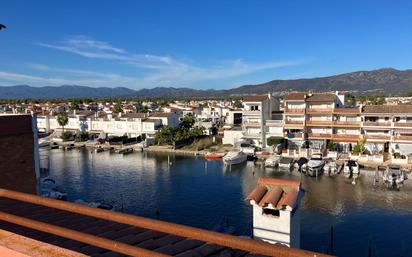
(294, 135)
(403, 124)
(339, 123)
(252, 124)
(252, 113)
(319, 111)
(294, 124)
(274, 123)
(319, 136)
(376, 124)
(294, 110)
(345, 137)
(251, 135)
(378, 137)
(319, 123)
(403, 138)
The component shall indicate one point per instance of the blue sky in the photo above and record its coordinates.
(198, 44)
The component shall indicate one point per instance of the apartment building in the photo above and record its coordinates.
(388, 128)
(311, 119)
(256, 115)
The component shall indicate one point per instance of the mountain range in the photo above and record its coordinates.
(380, 81)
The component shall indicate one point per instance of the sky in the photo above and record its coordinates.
(198, 44)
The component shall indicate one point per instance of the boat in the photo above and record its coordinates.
(351, 169)
(301, 164)
(394, 176)
(49, 189)
(330, 167)
(126, 150)
(272, 161)
(286, 163)
(104, 206)
(99, 150)
(315, 165)
(212, 156)
(234, 157)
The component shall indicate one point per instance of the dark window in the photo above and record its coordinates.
(272, 212)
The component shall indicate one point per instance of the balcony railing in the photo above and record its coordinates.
(345, 137)
(403, 124)
(347, 123)
(319, 136)
(295, 110)
(319, 110)
(251, 124)
(320, 122)
(299, 122)
(294, 135)
(382, 137)
(251, 113)
(376, 124)
(403, 138)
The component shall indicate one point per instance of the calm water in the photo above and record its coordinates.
(205, 195)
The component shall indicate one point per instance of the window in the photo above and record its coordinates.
(254, 107)
(272, 212)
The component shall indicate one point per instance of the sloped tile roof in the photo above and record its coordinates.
(275, 193)
(388, 109)
(256, 98)
(321, 97)
(296, 96)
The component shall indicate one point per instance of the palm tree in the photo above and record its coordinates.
(62, 119)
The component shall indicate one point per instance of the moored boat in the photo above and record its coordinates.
(214, 155)
(234, 157)
(286, 163)
(394, 176)
(272, 161)
(315, 165)
(100, 205)
(351, 169)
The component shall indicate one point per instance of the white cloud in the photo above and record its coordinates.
(157, 70)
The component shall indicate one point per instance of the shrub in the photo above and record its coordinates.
(81, 137)
(67, 136)
(274, 141)
(331, 146)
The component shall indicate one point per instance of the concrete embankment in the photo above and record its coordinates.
(159, 149)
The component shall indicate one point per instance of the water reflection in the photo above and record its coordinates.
(192, 191)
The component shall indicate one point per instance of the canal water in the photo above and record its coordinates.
(206, 194)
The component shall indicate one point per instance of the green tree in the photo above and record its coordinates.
(118, 108)
(274, 140)
(164, 135)
(62, 119)
(331, 146)
(188, 121)
(238, 104)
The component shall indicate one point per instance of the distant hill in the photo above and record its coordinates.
(381, 81)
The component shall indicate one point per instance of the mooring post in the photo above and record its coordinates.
(331, 239)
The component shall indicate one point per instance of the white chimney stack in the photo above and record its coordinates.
(276, 211)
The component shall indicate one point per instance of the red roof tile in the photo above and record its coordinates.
(256, 98)
(275, 193)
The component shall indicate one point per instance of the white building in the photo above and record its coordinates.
(276, 212)
(257, 110)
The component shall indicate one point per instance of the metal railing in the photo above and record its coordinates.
(230, 241)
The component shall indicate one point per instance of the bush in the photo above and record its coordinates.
(81, 137)
(67, 136)
(331, 146)
(274, 141)
(357, 149)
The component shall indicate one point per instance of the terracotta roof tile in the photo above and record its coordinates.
(296, 96)
(321, 97)
(275, 193)
(256, 98)
(387, 109)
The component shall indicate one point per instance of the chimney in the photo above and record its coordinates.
(74, 112)
(276, 211)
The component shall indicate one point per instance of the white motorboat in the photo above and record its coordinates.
(394, 176)
(351, 169)
(234, 157)
(272, 161)
(286, 163)
(315, 165)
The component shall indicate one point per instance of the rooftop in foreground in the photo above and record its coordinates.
(97, 232)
